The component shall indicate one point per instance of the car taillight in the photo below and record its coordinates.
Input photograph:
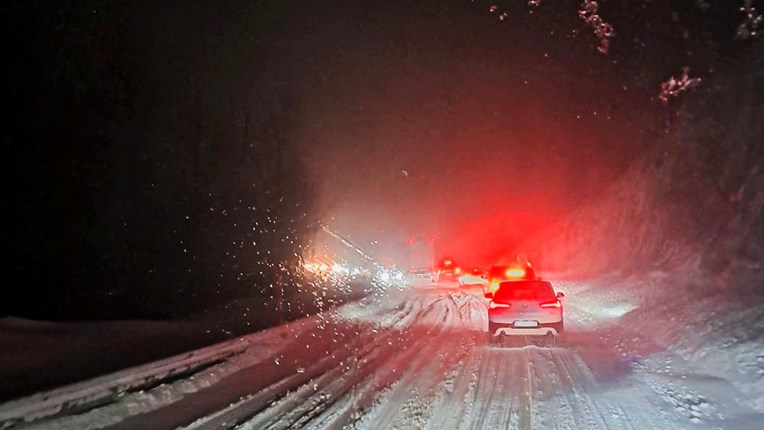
(515, 273)
(555, 304)
(495, 305)
(457, 270)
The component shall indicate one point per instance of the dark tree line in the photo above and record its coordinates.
(150, 167)
(698, 175)
(705, 146)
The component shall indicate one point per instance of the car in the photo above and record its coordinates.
(448, 270)
(507, 272)
(472, 277)
(423, 274)
(526, 308)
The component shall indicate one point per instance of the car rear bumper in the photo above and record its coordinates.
(542, 329)
(539, 331)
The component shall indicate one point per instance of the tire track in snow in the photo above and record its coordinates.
(489, 375)
(317, 405)
(573, 398)
(459, 388)
(414, 360)
(314, 398)
(419, 376)
(422, 388)
(376, 387)
(345, 342)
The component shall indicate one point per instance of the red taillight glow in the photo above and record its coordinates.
(457, 270)
(515, 273)
(494, 305)
(555, 304)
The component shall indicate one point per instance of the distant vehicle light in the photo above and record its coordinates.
(447, 262)
(555, 304)
(339, 268)
(493, 286)
(457, 270)
(515, 273)
(494, 305)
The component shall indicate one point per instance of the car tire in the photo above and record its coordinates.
(493, 327)
(558, 327)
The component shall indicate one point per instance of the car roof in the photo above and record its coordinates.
(525, 283)
(520, 280)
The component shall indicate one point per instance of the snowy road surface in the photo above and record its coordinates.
(410, 359)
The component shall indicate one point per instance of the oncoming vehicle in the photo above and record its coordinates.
(507, 272)
(472, 277)
(526, 308)
(448, 270)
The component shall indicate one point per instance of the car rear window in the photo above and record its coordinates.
(498, 271)
(520, 290)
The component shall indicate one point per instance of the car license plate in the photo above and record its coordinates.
(525, 323)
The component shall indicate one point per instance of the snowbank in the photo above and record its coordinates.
(676, 245)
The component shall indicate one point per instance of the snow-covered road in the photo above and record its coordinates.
(410, 359)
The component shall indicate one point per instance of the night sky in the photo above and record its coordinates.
(440, 120)
(160, 157)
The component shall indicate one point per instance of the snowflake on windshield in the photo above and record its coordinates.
(750, 27)
(672, 87)
(602, 30)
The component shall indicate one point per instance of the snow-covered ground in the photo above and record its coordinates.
(419, 358)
